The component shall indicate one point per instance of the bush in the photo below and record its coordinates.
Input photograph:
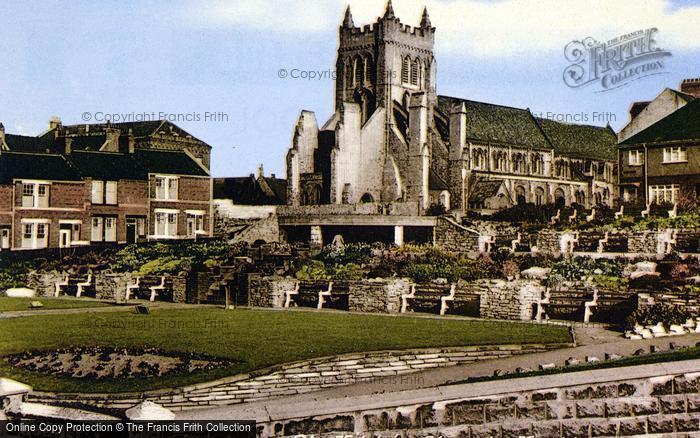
(312, 270)
(436, 210)
(510, 269)
(658, 313)
(579, 267)
(357, 253)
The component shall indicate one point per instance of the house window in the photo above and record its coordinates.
(166, 188)
(35, 195)
(675, 155)
(664, 193)
(110, 229)
(195, 223)
(629, 194)
(104, 192)
(35, 235)
(166, 224)
(97, 230)
(97, 192)
(635, 158)
(111, 192)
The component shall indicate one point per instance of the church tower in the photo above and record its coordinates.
(385, 62)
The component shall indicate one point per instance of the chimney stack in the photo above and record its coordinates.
(67, 145)
(112, 140)
(127, 143)
(691, 86)
(3, 146)
(55, 123)
(261, 171)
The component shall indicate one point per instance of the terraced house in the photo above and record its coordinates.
(661, 163)
(103, 184)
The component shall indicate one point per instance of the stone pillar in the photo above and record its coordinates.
(398, 235)
(316, 237)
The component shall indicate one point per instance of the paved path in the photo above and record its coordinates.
(279, 410)
(445, 376)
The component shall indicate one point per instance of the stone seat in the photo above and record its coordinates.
(75, 285)
(150, 288)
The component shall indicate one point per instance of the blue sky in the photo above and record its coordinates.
(192, 57)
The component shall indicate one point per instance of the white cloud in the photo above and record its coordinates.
(474, 27)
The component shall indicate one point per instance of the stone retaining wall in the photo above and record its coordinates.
(108, 286)
(451, 237)
(623, 402)
(297, 378)
(499, 299)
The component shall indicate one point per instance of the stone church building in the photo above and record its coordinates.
(394, 142)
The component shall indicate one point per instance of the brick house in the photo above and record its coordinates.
(661, 164)
(75, 188)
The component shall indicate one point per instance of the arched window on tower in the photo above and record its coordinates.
(406, 70)
(359, 71)
(369, 70)
(415, 69)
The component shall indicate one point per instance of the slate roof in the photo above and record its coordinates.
(682, 124)
(484, 189)
(435, 182)
(46, 167)
(488, 122)
(89, 142)
(138, 129)
(108, 166)
(24, 143)
(169, 162)
(580, 141)
(638, 107)
(248, 190)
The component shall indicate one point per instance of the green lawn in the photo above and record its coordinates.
(254, 339)
(10, 304)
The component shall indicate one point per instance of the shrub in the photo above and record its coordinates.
(658, 313)
(312, 270)
(579, 267)
(350, 271)
(510, 269)
(357, 253)
(436, 210)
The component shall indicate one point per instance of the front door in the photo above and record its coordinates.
(131, 231)
(5, 238)
(64, 238)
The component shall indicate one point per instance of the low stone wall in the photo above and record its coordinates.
(648, 399)
(268, 291)
(377, 296)
(501, 299)
(456, 238)
(44, 283)
(643, 242)
(108, 286)
(297, 378)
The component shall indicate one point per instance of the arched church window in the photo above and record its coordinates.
(359, 71)
(367, 198)
(406, 70)
(539, 196)
(415, 68)
(369, 70)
